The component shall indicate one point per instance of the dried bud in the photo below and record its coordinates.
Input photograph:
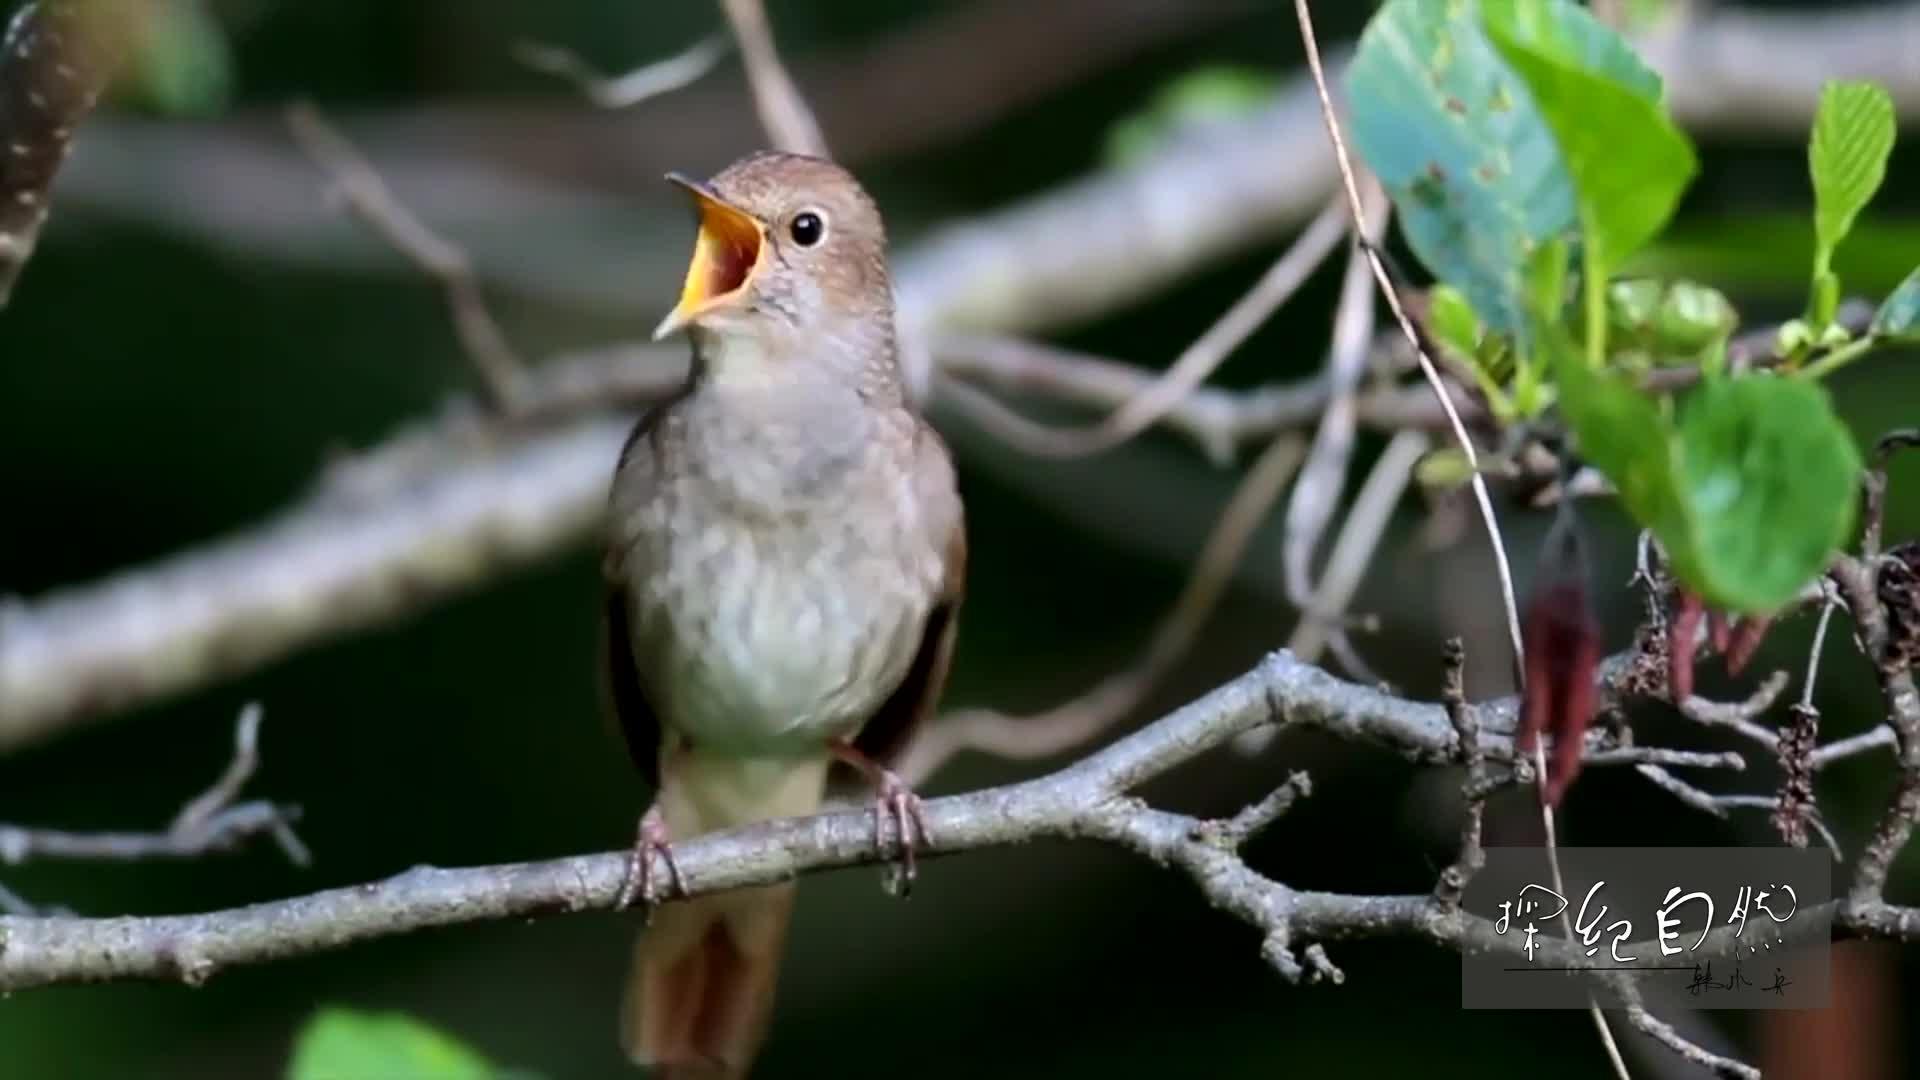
(1748, 633)
(1683, 640)
(1562, 639)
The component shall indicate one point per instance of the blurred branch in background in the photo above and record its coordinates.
(501, 371)
(629, 88)
(453, 503)
(784, 114)
(548, 168)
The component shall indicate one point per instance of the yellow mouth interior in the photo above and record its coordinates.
(725, 255)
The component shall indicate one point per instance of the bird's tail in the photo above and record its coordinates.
(700, 993)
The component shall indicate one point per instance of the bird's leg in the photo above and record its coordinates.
(892, 798)
(639, 883)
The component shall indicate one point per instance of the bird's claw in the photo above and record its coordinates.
(895, 801)
(892, 799)
(639, 882)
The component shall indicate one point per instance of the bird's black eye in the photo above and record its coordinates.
(807, 228)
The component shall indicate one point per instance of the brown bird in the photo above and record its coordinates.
(784, 576)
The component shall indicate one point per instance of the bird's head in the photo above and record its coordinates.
(789, 249)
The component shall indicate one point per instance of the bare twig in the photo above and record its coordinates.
(211, 822)
(1664, 1033)
(1077, 721)
(1854, 745)
(783, 111)
(1473, 786)
(1322, 623)
(1200, 359)
(1235, 832)
(1358, 539)
(501, 370)
(1738, 716)
(632, 87)
(1323, 478)
(1218, 421)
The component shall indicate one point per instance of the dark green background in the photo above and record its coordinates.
(158, 390)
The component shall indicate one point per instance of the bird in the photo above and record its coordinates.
(784, 568)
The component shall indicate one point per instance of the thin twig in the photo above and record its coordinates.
(783, 111)
(1323, 623)
(629, 88)
(1854, 745)
(1200, 359)
(502, 372)
(1323, 478)
(1358, 539)
(1235, 832)
(1473, 785)
(210, 822)
(1664, 1033)
(1738, 716)
(1074, 722)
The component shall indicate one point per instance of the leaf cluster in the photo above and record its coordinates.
(1530, 154)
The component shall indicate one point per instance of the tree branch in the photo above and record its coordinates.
(1085, 800)
(211, 822)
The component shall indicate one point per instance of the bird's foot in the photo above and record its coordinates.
(893, 802)
(640, 883)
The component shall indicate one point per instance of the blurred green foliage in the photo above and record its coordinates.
(341, 1044)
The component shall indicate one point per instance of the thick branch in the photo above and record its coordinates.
(1087, 799)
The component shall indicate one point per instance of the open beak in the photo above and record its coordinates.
(726, 256)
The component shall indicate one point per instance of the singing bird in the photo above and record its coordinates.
(784, 571)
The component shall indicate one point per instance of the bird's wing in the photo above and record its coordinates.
(887, 734)
(626, 698)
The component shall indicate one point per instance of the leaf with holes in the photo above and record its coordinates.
(1628, 162)
(1457, 142)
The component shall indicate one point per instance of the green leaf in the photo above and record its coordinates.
(1443, 469)
(1452, 320)
(1568, 34)
(1456, 140)
(1899, 317)
(342, 1044)
(1628, 162)
(1770, 478)
(1847, 156)
(1198, 98)
(1623, 433)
